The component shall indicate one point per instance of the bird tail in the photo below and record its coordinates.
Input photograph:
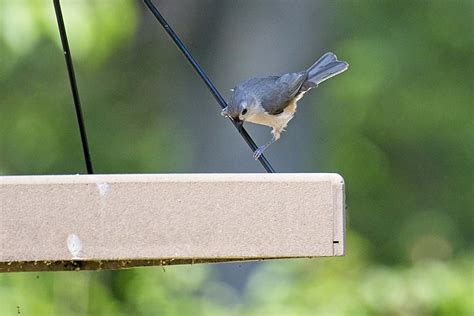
(326, 67)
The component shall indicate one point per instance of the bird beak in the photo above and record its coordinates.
(238, 123)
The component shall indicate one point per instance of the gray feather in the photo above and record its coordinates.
(323, 61)
(294, 81)
(288, 86)
(326, 67)
(273, 92)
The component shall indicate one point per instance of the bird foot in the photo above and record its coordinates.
(258, 152)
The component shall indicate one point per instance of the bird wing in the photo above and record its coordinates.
(293, 82)
(282, 90)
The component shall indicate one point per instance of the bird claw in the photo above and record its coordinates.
(258, 152)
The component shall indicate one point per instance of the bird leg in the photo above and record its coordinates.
(259, 151)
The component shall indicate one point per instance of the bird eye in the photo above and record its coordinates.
(244, 111)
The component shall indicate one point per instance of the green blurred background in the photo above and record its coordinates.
(398, 126)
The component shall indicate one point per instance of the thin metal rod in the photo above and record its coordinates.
(75, 92)
(206, 80)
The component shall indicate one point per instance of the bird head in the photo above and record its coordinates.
(240, 106)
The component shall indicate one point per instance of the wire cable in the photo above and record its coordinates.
(207, 81)
(75, 92)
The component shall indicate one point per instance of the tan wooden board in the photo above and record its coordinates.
(113, 221)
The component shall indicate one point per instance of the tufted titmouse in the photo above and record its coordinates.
(271, 101)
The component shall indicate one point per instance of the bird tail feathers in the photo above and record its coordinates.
(326, 67)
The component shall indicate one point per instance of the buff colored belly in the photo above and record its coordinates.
(278, 122)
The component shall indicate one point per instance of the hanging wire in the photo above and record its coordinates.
(75, 92)
(206, 80)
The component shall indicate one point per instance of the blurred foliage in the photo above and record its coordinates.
(357, 286)
(332, 286)
(398, 126)
(95, 28)
(36, 99)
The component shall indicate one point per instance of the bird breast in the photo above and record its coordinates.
(278, 121)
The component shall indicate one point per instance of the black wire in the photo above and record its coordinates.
(206, 80)
(75, 92)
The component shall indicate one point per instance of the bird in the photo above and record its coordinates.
(272, 100)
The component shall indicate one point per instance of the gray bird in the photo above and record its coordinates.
(271, 101)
